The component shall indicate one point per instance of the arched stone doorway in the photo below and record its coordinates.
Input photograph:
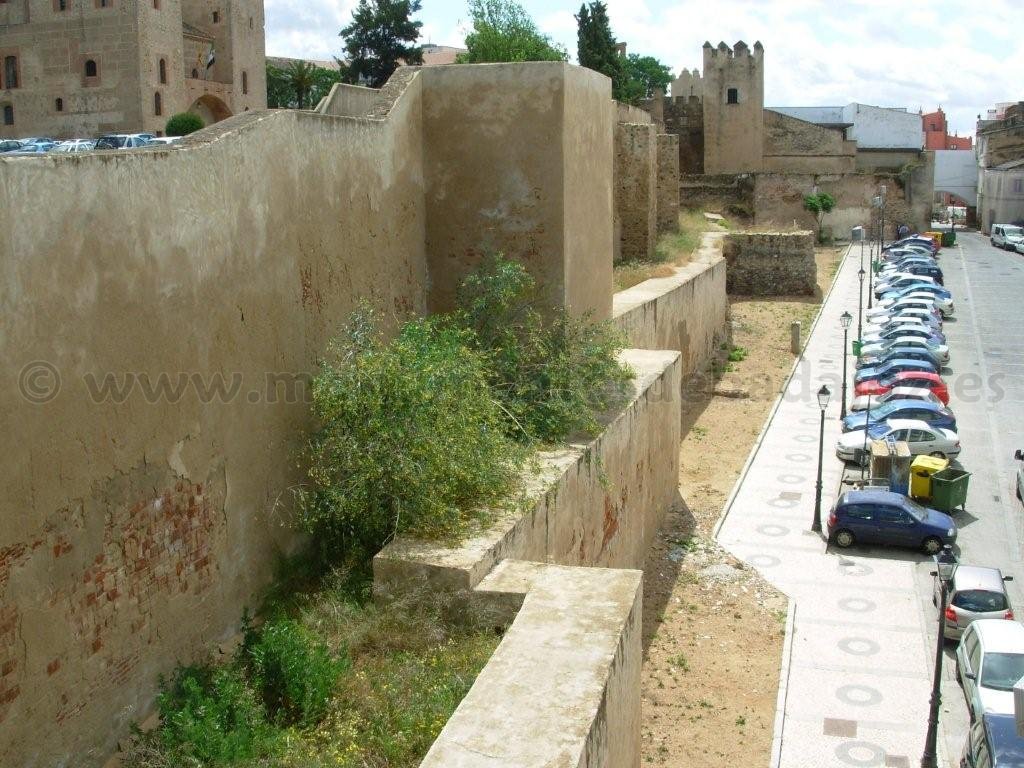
(210, 109)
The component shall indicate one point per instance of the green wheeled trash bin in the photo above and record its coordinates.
(949, 489)
(948, 239)
(858, 345)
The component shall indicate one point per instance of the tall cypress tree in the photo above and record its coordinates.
(381, 34)
(595, 43)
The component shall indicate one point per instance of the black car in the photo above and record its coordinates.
(993, 742)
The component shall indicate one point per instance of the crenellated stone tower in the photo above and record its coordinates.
(733, 96)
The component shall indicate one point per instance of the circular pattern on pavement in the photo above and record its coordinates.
(805, 438)
(763, 561)
(798, 457)
(856, 569)
(856, 605)
(770, 529)
(859, 646)
(783, 503)
(859, 695)
(811, 421)
(861, 753)
(791, 479)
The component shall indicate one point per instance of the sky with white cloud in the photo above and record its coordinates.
(901, 53)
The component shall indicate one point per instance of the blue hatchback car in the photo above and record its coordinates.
(935, 414)
(992, 742)
(883, 517)
(893, 366)
(935, 290)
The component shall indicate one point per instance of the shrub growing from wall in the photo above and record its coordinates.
(183, 124)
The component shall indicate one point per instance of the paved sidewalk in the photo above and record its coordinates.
(859, 671)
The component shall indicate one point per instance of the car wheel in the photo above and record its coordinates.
(1018, 493)
(937, 455)
(932, 545)
(844, 539)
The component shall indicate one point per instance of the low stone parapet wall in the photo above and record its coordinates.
(771, 263)
(597, 503)
(687, 312)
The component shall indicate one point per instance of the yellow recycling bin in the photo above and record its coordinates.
(921, 471)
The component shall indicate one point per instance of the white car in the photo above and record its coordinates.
(897, 329)
(897, 309)
(162, 141)
(989, 661)
(889, 316)
(862, 402)
(869, 351)
(943, 304)
(922, 438)
(75, 145)
(900, 280)
(1007, 235)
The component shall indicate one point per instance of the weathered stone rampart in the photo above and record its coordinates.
(636, 189)
(668, 183)
(770, 263)
(143, 507)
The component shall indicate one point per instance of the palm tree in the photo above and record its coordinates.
(301, 77)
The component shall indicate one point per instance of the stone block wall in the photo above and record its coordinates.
(668, 183)
(684, 117)
(136, 522)
(636, 189)
(688, 312)
(771, 263)
(731, 195)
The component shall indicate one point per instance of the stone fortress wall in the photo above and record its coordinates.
(770, 263)
(137, 525)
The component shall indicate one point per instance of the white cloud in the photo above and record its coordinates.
(913, 54)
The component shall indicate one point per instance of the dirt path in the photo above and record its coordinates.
(713, 629)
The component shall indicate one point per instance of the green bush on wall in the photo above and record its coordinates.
(183, 124)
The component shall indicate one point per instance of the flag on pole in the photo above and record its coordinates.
(211, 57)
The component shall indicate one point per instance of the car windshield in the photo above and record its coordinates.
(980, 601)
(878, 431)
(1001, 671)
(1013, 230)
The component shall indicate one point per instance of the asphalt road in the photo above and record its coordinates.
(986, 381)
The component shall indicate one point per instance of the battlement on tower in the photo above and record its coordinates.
(722, 55)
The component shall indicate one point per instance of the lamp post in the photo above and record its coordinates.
(844, 320)
(945, 567)
(823, 396)
(860, 304)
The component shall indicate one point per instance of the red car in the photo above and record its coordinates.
(930, 381)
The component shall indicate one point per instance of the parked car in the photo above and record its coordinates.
(898, 280)
(162, 140)
(898, 306)
(992, 742)
(123, 140)
(933, 294)
(1006, 236)
(30, 149)
(898, 330)
(880, 349)
(75, 145)
(989, 661)
(1019, 456)
(893, 366)
(934, 415)
(914, 266)
(928, 316)
(925, 379)
(921, 438)
(976, 593)
(882, 517)
(9, 145)
(864, 402)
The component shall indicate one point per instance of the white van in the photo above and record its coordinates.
(1007, 236)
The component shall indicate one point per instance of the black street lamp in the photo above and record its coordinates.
(860, 305)
(945, 567)
(823, 396)
(844, 320)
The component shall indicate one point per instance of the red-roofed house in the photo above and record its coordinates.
(936, 133)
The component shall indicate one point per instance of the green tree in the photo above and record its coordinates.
(643, 75)
(819, 204)
(297, 87)
(183, 124)
(382, 35)
(595, 44)
(504, 31)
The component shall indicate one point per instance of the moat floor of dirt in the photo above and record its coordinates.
(713, 629)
